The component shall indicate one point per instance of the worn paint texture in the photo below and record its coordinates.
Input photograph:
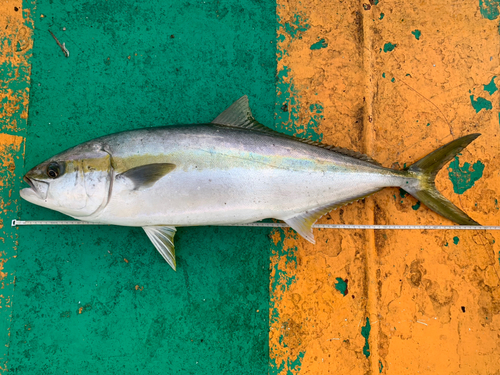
(417, 302)
(15, 51)
(354, 74)
(101, 299)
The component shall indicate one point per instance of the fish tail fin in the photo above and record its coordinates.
(425, 171)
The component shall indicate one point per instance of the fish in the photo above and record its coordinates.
(233, 170)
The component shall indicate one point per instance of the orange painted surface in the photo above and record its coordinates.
(15, 48)
(394, 81)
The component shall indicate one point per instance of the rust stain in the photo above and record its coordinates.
(396, 83)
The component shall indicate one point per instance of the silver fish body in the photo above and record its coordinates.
(230, 171)
(228, 175)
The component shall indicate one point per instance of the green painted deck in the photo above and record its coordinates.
(101, 299)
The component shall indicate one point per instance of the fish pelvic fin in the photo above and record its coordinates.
(425, 171)
(163, 239)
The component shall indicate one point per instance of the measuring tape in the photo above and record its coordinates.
(16, 223)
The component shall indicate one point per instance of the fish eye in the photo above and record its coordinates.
(53, 170)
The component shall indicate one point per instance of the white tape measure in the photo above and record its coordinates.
(16, 223)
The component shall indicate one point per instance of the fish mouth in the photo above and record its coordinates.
(38, 188)
(30, 183)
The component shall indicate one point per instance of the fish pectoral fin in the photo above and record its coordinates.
(147, 175)
(163, 239)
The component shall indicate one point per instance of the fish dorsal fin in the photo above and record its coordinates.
(302, 223)
(239, 115)
(146, 176)
(163, 239)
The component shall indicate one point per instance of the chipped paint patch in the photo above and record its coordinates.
(296, 27)
(491, 87)
(480, 103)
(365, 332)
(319, 45)
(489, 9)
(388, 47)
(341, 286)
(463, 178)
(417, 34)
(289, 110)
(284, 334)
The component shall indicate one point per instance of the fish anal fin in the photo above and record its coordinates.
(162, 238)
(303, 222)
(145, 176)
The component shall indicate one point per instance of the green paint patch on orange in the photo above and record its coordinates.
(295, 27)
(480, 103)
(388, 47)
(490, 9)
(341, 285)
(463, 178)
(491, 87)
(365, 332)
(320, 44)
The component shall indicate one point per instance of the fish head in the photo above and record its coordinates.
(76, 182)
